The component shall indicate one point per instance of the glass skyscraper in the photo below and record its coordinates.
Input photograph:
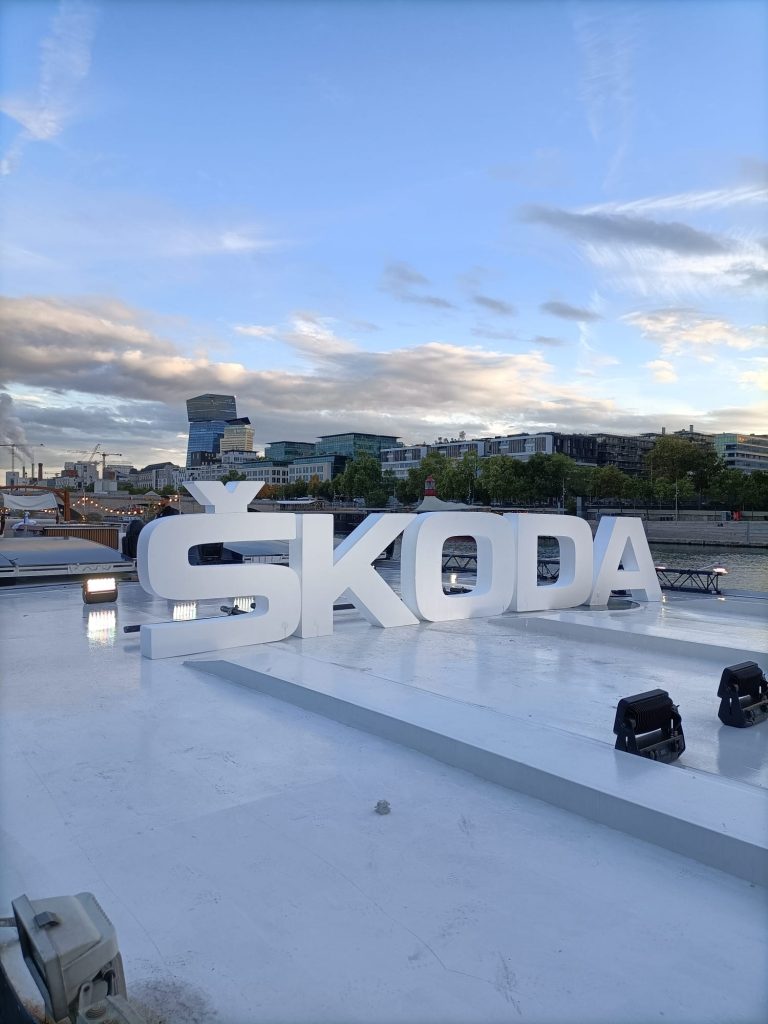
(208, 416)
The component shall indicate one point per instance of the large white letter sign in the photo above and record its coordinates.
(421, 563)
(164, 570)
(325, 574)
(620, 540)
(574, 580)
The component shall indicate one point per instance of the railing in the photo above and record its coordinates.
(703, 581)
(108, 535)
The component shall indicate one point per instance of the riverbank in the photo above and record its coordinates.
(743, 534)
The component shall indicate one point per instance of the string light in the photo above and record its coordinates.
(135, 511)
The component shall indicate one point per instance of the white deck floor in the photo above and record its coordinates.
(232, 839)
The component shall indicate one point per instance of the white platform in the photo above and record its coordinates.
(231, 837)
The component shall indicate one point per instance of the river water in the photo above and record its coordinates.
(747, 567)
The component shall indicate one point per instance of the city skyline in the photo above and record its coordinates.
(408, 218)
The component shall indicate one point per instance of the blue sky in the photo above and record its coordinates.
(412, 217)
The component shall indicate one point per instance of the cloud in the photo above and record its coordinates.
(544, 339)
(756, 378)
(108, 359)
(663, 371)
(400, 279)
(567, 312)
(65, 60)
(605, 38)
(255, 330)
(659, 257)
(86, 373)
(67, 231)
(711, 199)
(688, 331)
(495, 305)
(621, 229)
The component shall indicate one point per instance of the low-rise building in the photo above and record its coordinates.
(353, 444)
(285, 451)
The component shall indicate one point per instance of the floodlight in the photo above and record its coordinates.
(99, 589)
(744, 695)
(68, 942)
(649, 724)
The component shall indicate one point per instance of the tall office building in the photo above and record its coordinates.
(208, 416)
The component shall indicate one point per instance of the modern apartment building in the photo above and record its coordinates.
(745, 452)
(580, 447)
(399, 460)
(624, 451)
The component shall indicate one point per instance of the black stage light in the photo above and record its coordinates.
(99, 590)
(649, 724)
(743, 693)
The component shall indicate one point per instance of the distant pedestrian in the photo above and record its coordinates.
(3, 517)
(166, 509)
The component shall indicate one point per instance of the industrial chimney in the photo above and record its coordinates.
(39, 472)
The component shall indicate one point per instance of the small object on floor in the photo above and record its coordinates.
(382, 807)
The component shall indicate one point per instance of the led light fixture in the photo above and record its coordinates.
(69, 944)
(99, 589)
(649, 724)
(743, 694)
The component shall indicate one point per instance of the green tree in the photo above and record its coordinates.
(362, 479)
(503, 478)
(231, 475)
(610, 482)
(671, 458)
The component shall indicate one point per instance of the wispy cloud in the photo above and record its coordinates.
(494, 333)
(711, 199)
(80, 229)
(605, 37)
(255, 330)
(568, 312)
(656, 257)
(65, 60)
(402, 282)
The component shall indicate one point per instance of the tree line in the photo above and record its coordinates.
(675, 470)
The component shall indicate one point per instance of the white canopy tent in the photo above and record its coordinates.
(29, 502)
(433, 504)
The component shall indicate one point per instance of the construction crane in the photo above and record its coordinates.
(13, 445)
(95, 455)
(104, 457)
